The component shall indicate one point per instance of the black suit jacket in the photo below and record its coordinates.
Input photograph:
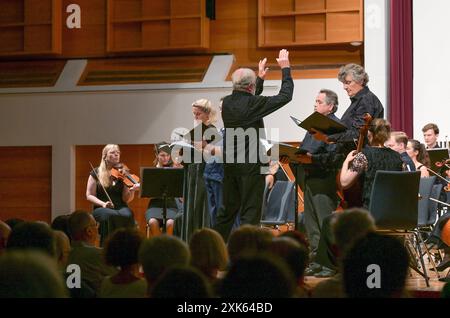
(245, 110)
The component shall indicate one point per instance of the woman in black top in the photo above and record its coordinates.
(376, 157)
(110, 212)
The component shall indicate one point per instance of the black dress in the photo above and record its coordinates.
(111, 219)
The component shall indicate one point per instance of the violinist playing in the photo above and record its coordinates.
(154, 213)
(319, 177)
(109, 194)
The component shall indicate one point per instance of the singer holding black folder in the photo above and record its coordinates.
(355, 79)
(320, 179)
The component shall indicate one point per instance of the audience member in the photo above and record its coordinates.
(181, 282)
(84, 232)
(258, 276)
(33, 235)
(375, 267)
(121, 250)
(62, 244)
(248, 240)
(347, 227)
(160, 253)
(208, 253)
(30, 274)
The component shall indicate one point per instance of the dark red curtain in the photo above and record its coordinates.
(401, 66)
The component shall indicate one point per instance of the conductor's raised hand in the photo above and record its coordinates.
(283, 58)
(262, 69)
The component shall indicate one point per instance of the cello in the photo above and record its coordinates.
(352, 196)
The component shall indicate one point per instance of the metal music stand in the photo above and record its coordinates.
(162, 183)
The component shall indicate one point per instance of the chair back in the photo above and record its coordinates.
(278, 203)
(394, 200)
(425, 189)
(433, 207)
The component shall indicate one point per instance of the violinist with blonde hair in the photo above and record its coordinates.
(110, 196)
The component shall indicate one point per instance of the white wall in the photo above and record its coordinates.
(431, 66)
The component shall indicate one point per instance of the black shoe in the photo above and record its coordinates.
(443, 265)
(312, 269)
(325, 272)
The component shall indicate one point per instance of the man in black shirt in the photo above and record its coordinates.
(320, 179)
(355, 80)
(242, 113)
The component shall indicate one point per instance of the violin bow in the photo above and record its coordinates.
(106, 192)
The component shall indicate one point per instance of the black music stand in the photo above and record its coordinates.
(162, 183)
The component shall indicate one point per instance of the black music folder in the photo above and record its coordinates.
(437, 155)
(321, 123)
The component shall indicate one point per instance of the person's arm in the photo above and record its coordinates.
(264, 105)
(128, 193)
(91, 194)
(368, 104)
(424, 172)
(349, 173)
(262, 71)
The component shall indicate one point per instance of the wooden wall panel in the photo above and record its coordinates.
(134, 156)
(235, 30)
(90, 39)
(25, 183)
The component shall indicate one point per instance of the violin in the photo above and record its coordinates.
(122, 172)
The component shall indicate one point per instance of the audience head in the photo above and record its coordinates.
(417, 152)
(62, 248)
(244, 79)
(397, 141)
(354, 78)
(326, 102)
(33, 235)
(208, 252)
(298, 237)
(379, 132)
(293, 253)
(430, 134)
(122, 247)
(203, 111)
(5, 231)
(30, 274)
(181, 282)
(61, 223)
(160, 253)
(349, 226)
(258, 276)
(83, 227)
(247, 240)
(375, 266)
(14, 222)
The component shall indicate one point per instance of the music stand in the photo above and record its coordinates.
(162, 183)
(437, 155)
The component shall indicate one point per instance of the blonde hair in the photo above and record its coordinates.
(208, 250)
(104, 175)
(205, 106)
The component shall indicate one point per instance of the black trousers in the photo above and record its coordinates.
(326, 256)
(317, 207)
(243, 188)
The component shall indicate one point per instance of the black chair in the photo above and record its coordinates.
(427, 213)
(278, 206)
(394, 205)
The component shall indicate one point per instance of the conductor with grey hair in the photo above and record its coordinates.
(355, 79)
(242, 113)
